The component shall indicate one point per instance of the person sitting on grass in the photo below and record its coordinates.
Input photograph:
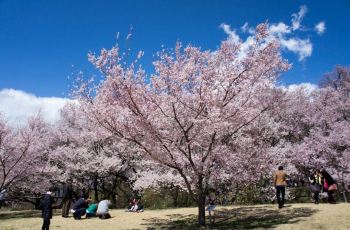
(134, 207)
(131, 205)
(102, 209)
(139, 206)
(91, 210)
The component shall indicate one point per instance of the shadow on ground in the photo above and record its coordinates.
(249, 217)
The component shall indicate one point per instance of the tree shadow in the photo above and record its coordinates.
(250, 217)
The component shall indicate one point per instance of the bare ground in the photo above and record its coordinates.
(293, 216)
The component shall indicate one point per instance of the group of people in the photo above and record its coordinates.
(89, 208)
(82, 207)
(135, 206)
(320, 181)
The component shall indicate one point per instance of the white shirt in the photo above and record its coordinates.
(103, 206)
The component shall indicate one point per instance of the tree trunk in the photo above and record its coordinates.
(201, 208)
(175, 195)
(114, 199)
(201, 202)
(114, 192)
(37, 201)
(96, 187)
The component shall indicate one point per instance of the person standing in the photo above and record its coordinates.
(280, 185)
(46, 206)
(211, 208)
(316, 185)
(67, 197)
(329, 185)
(2, 197)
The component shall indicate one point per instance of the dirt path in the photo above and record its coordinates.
(295, 216)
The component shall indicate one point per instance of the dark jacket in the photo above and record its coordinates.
(46, 206)
(327, 177)
(81, 203)
(67, 191)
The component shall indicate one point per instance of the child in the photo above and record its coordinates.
(46, 206)
(211, 208)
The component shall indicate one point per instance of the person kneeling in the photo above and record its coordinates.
(91, 210)
(102, 209)
(79, 208)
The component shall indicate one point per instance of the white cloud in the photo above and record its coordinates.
(298, 17)
(17, 106)
(307, 87)
(302, 47)
(247, 29)
(234, 38)
(320, 28)
(285, 34)
(232, 35)
(279, 29)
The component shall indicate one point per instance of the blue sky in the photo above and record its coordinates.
(41, 40)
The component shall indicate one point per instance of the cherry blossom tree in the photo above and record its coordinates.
(189, 113)
(23, 158)
(313, 127)
(90, 155)
(328, 141)
(292, 123)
